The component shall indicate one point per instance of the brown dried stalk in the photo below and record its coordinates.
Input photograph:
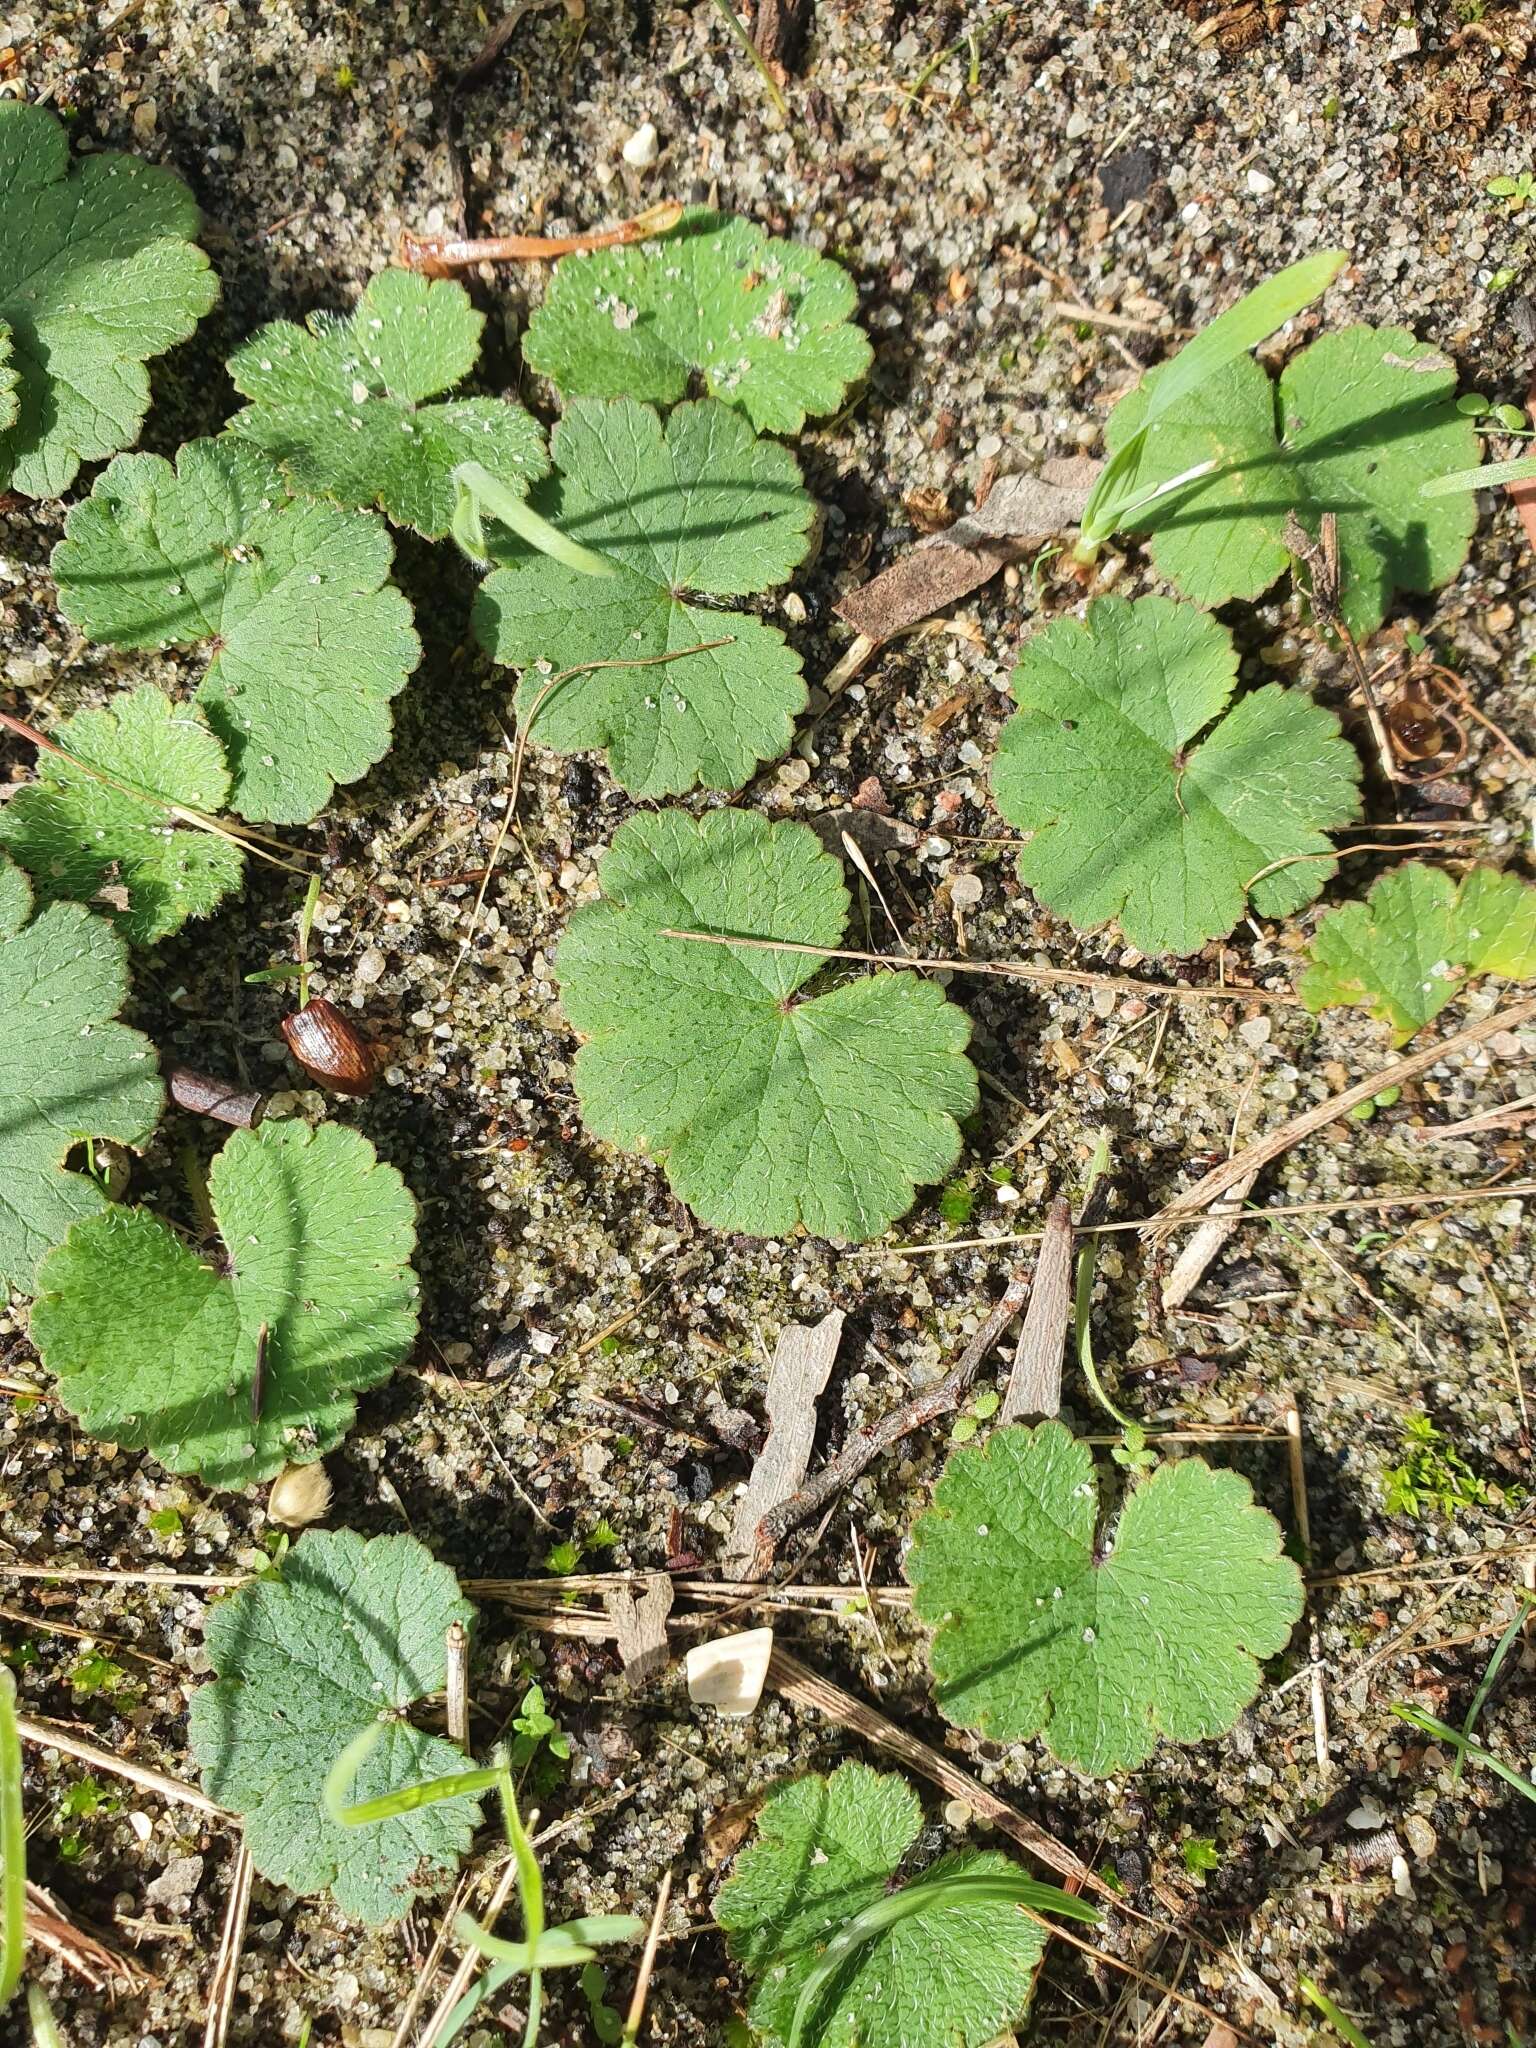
(441, 255)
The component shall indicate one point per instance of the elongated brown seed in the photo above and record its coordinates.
(222, 1100)
(330, 1050)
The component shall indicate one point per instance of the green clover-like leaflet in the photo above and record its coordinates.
(683, 691)
(342, 405)
(765, 322)
(348, 1635)
(1146, 798)
(310, 640)
(235, 1368)
(98, 273)
(1413, 943)
(767, 1107)
(1101, 1645)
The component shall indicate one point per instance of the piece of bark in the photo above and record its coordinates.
(202, 1095)
(1020, 513)
(1034, 1384)
(802, 1365)
(640, 1625)
(1189, 1268)
(779, 29)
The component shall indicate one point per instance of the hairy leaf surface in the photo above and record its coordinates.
(1037, 1636)
(1147, 799)
(310, 640)
(342, 406)
(155, 1347)
(1413, 943)
(767, 1107)
(76, 833)
(98, 273)
(766, 323)
(698, 509)
(347, 1634)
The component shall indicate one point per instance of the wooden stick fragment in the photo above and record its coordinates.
(636, 2013)
(456, 1651)
(1034, 1385)
(1304, 1531)
(1255, 1157)
(226, 1968)
(802, 1364)
(865, 1445)
(441, 255)
(1190, 1267)
(44, 1735)
(639, 1616)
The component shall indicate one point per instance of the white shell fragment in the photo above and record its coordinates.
(729, 1672)
(300, 1494)
(640, 152)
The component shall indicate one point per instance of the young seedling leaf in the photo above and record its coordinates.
(342, 404)
(767, 1108)
(233, 1370)
(766, 323)
(1132, 814)
(700, 505)
(78, 832)
(310, 639)
(951, 1973)
(98, 273)
(1411, 945)
(1357, 424)
(350, 1633)
(1036, 1636)
(68, 1071)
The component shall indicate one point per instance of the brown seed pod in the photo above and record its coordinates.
(1415, 726)
(330, 1050)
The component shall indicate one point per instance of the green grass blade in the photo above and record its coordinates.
(1505, 1644)
(1465, 1746)
(1242, 327)
(45, 2028)
(1344, 2028)
(1521, 470)
(480, 492)
(13, 1845)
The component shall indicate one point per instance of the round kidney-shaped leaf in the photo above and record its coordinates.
(1036, 1635)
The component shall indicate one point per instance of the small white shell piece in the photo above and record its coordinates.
(729, 1673)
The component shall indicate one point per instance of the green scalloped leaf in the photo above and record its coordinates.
(76, 834)
(956, 1975)
(347, 1634)
(68, 1070)
(1355, 424)
(1147, 799)
(154, 1347)
(766, 323)
(1411, 946)
(694, 511)
(10, 380)
(767, 1107)
(310, 639)
(98, 273)
(342, 406)
(1101, 1647)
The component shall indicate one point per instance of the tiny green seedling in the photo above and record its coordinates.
(68, 1069)
(841, 1952)
(1102, 1644)
(769, 1108)
(152, 1346)
(1432, 1476)
(98, 274)
(765, 323)
(1148, 796)
(1417, 940)
(352, 409)
(652, 524)
(310, 640)
(1516, 192)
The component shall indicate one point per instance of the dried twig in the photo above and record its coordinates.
(639, 1616)
(226, 1968)
(1304, 1532)
(50, 1928)
(1255, 1157)
(469, 1961)
(456, 1648)
(43, 1735)
(1034, 1384)
(202, 1095)
(865, 1445)
(1009, 970)
(440, 255)
(1189, 1268)
(802, 1364)
(647, 1963)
